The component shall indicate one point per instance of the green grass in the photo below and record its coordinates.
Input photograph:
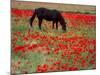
(36, 58)
(33, 57)
(89, 32)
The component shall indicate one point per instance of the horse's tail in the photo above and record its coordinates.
(32, 18)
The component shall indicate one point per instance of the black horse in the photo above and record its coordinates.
(49, 15)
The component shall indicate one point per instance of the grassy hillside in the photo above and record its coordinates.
(62, 7)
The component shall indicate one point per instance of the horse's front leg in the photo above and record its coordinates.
(57, 25)
(40, 22)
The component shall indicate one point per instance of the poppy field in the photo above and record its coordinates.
(51, 50)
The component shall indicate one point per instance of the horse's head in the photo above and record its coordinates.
(62, 22)
(64, 26)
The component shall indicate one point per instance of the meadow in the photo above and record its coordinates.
(52, 50)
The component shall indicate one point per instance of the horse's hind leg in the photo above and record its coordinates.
(53, 25)
(31, 20)
(30, 26)
(40, 21)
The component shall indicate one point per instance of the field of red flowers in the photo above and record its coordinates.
(51, 50)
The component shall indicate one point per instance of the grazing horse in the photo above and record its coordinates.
(49, 15)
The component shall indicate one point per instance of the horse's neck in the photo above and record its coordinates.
(62, 21)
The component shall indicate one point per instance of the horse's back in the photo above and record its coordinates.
(48, 14)
(42, 9)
